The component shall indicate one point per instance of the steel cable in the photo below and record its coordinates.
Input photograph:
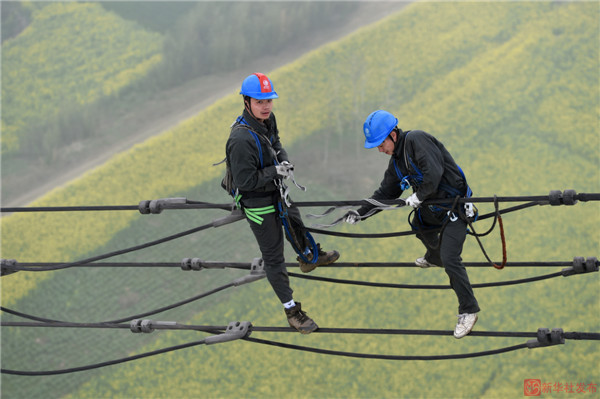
(424, 287)
(116, 253)
(123, 319)
(219, 329)
(102, 364)
(584, 197)
(246, 265)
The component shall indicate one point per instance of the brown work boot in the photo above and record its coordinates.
(299, 320)
(324, 258)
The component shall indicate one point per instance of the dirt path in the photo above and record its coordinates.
(184, 102)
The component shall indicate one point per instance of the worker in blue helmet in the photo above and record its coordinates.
(421, 162)
(257, 164)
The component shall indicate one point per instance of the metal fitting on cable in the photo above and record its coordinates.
(147, 326)
(545, 337)
(568, 197)
(235, 330)
(234, 216)
(581, 265)
(199, 264)
(191, 264)
(156, 206)
(6, 266)
(257, 271)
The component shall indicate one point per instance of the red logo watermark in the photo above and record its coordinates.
(532, 387)
(535, 387)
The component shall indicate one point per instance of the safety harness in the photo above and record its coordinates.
(283, 202)
(415, 181)
(468, 213)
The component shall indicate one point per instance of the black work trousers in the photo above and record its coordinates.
(269, 236)
(448, 254)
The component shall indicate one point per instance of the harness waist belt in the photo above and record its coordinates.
(257, 194)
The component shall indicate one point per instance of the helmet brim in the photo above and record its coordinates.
(373, 144)
(262, 96)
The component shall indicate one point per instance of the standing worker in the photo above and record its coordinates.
(420, 161)
(257, 164)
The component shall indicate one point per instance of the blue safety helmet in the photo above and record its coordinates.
(258, 86)
(378, 126)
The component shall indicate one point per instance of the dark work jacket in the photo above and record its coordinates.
(254, 181)
(430, 167)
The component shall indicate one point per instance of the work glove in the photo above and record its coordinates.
(413, 201)
(285, 169)
(470, 210)
(352, 217)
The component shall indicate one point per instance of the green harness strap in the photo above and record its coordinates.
(254, 213)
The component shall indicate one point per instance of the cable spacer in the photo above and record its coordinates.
(545, 337)
(6, 266)
(257, 272)
(235, 330)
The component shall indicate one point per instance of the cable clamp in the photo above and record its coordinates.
(156, 206)
(148, 326)
(7, 266)
(191, 264)
(235, 330)
(545, 337)
(257, 272)
(581, 266)
(199, 264)
(568, 197)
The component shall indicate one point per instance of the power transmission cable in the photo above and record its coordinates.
(569, 197)
(102, 364)
(123, 319)
(119, 252)
(544, 338)
(246, 266)
(424, 286)
(215, 329)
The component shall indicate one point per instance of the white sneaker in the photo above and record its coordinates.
(465, 324)
(422, 263)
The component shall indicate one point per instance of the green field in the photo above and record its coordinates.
(512, 91)
(102, 52)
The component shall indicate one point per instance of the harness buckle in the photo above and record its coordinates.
(452, 216)
(405, 183)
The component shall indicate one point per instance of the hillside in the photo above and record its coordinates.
(510, 88)
(96, 131)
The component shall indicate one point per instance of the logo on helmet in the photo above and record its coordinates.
(266, 86)
(367, 132)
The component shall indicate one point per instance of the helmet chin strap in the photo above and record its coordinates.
(247, 105)
(397, 131)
